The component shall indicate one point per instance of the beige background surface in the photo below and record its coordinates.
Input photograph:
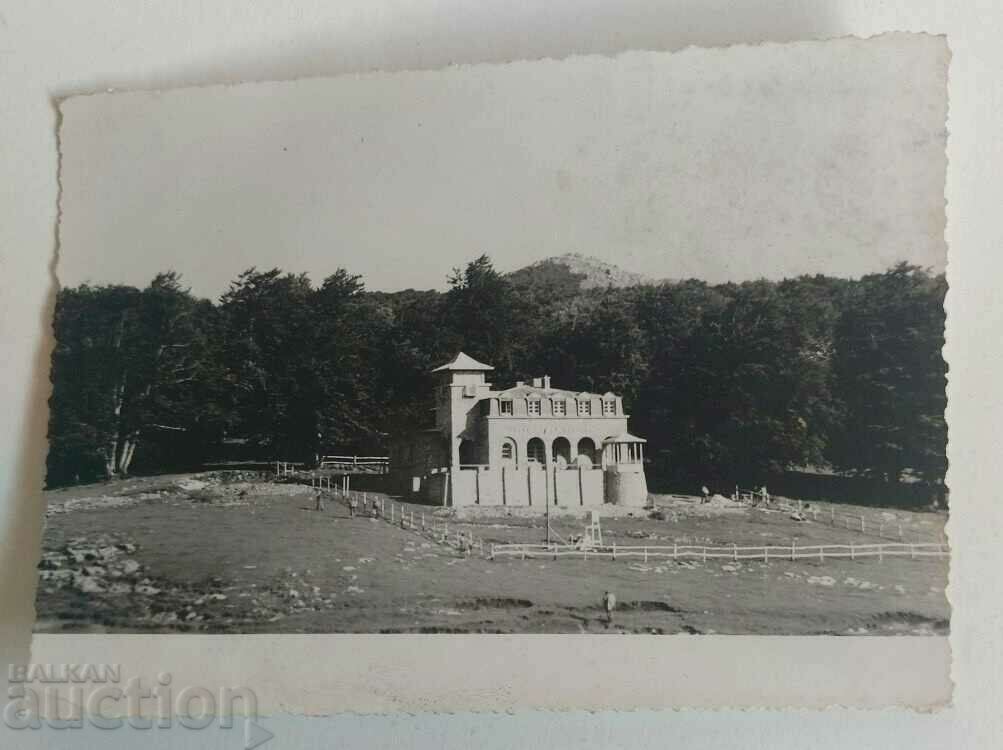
(718, 164)
(55, 48)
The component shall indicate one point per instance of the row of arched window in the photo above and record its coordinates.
(560, 451)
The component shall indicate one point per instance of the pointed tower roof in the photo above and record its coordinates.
(463, 363)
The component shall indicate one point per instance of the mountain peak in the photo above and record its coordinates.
(595, 273)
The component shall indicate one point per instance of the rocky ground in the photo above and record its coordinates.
(235, 553)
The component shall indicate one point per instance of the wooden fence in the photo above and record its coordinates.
(438, 530)
(887, 529)
(360, 464)
(435, 529)
(287, 468)
(766, 553)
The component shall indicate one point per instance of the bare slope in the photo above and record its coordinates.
(594, 273)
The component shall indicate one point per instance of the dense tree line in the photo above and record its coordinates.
(734, 382)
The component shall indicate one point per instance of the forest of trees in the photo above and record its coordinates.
(736, 382)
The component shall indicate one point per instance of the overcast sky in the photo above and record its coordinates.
(724, 164)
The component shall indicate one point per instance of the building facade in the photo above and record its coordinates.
(528, 445)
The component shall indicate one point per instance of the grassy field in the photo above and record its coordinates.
(183, 553)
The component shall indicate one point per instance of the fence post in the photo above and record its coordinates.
(881, 553)
(861, 524)
(821, 553)
(391, 511)
(705, 554)
(492, 547)
(794, 545)
(852, 553)
(734, 552)
(411, 522)
(524, 552)
(832, 513)
(900, 532)
(912, 552)
(423, 528)
(614, 550)
(675, 550)
(645, 554)
(766, 553)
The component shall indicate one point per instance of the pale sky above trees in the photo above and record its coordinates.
(725, 164)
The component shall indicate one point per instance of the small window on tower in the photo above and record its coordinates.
(608, 408)
(506, 407)
(584, 408)
(560, 408)
(535, 408)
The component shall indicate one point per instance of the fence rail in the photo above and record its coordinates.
(886, 529)
(439, 531)
(436, 529)
(361, 464)
(732, 552)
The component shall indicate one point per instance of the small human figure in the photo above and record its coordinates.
(609, 604)
(764, 494)
(352, 502)
(318, 496)
(706, 494)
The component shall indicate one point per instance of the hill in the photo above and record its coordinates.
(591, 272)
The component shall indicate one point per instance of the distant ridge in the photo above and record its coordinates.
(596, 273)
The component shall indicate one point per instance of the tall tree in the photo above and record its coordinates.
(269, 346)
(892, 376)
(129, 359)
(480, 314)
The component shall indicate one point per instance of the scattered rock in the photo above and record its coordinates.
(89, 585)
(821, 580)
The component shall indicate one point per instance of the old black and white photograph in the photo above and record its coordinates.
(644, 344)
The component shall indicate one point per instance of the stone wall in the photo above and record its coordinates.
(523, 486)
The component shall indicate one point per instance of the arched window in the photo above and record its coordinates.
(536, 451)
(561, 451)
(508, 452)
(586, 452)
